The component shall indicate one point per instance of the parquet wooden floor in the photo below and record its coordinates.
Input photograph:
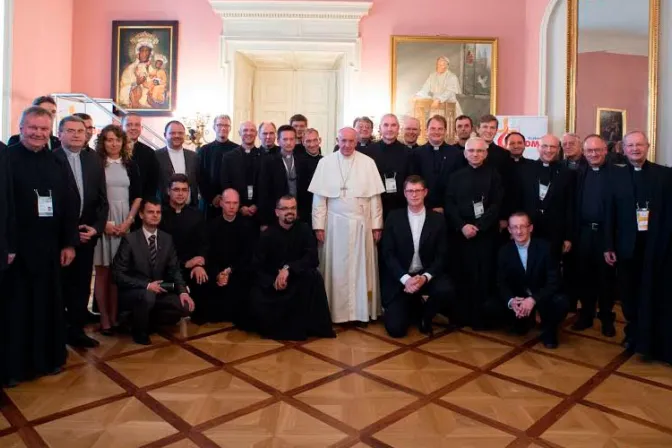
(215, 386)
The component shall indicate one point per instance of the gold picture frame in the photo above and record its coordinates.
(469, 88)
(611, 124)
(572, 57)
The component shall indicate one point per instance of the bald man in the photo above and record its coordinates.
(411, 132)
(240, 169)
(547, 196)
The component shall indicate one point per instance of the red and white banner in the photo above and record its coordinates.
(532, 127)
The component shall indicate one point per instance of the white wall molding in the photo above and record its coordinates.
(7, 18)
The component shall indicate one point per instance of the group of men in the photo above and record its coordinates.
(284, 240)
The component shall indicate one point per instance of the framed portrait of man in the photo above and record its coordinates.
(144, 66)
(611, 124)
(445, 76)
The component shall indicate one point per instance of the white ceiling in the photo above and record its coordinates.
(293, 60)
(624, 16)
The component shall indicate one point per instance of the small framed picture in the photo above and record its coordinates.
(611, 124)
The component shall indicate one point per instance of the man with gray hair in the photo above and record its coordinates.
(46, 205)
(473, 201)
(571, 148)
(411, 132)
(210, 165)
(268, 134)
(348, 222)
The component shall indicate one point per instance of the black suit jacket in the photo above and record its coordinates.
(620, 224)
(166, 170)
(540, 280)
(95, 207)
(54, 142)
(209, 167)
(581, 173)
(397, 248)
(558, 217)
(232, 174)
(131, 268)
(273, 185)
(7, 224)
(436, 178)
(144, 158)
(514, 171)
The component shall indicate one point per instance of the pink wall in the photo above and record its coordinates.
(615, 81)
(41, 52)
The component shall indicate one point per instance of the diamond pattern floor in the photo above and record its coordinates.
(218, 386)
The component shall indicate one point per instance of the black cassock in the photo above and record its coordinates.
(231, 245)
(309, 165)
(655, 307)
(31, 307)
(7, 238)
(300, 310)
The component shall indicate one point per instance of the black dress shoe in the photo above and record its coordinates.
(550, 340)
(10, 383)
(142, 339)
(582, 324)
(425, 327)
(82, 340)
(629, 344)
(608, 329)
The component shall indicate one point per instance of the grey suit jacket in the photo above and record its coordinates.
(166, 170)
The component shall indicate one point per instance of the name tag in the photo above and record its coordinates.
(543, 190)
(390, 185)
(642, 219)
(479, 209)
(250, 192)
(45, 207)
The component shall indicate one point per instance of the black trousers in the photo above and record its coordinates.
(149, 309)
(76, 287)
(402, 309)
(594, 277)
(629, 283)
(552, 312)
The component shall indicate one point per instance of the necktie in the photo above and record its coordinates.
(152, 249)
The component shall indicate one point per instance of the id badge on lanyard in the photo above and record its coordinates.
(250, 192)
(391, 183)
(45, 205)
(543, 190)
(479, 208)
(643, 218)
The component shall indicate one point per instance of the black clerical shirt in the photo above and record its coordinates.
(188, 231)
(592, 207)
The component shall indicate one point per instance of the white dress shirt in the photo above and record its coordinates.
(522, 253)
(147, 234)
(416, 221)
(178, 160)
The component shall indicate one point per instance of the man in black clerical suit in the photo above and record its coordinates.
(463, 130)
(364, 128)
(300, 124)
(413, 283)
(92, 208)
(572, 157)
(497, 156)
(410, 132)
(280, 175)
(394, 161)
(309, 161)
(634, 198)
(547, 196)
(515, 144)
(7, 243)
(48, 103)
(231, 240)
(241, 168)
(434, 161)
(143, 156)
(210, 158)
(186, 226)
(147, 273)
(593, 279)
(46, 213)
(267, 136)
(288, 300)
(175, 159)
(528, 280)
(473, 200)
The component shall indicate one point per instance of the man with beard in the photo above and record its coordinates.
(143, 156)
(463, 129)
(473, 201)
(174, 159)
(267, 136)
(45, 211)
(394, 162)
(288, 301)
(312, 156)
(411, 132)
(210, 165)
(241, 168)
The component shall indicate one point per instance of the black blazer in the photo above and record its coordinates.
(166, 170)
(558, 216)
(232, 174)
(7, 225)
(209, 167)
(95, 207)
(131, 268)
(436, 180)
(273, 185)
(620, 224)
(397, 248)
(144, 158)
(514, 172)
(54, 142)
(540, 280)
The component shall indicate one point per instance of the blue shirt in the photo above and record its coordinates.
(522, 253)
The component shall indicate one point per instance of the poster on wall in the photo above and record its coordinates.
(144, 66)
(532, 127)
(444, 76)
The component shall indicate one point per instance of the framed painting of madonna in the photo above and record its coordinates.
(144, 66)
(448, 76)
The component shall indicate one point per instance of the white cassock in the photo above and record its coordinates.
(443, 87)
(346, 204)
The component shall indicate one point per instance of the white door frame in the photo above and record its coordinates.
(295, 26)
(7, 18)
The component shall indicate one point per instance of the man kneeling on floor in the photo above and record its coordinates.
(528, 281)
(147, 273)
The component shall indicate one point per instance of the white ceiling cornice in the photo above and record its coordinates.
(332, 10)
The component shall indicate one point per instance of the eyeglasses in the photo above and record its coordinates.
(416, 191)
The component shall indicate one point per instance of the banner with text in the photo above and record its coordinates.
(532, 127)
